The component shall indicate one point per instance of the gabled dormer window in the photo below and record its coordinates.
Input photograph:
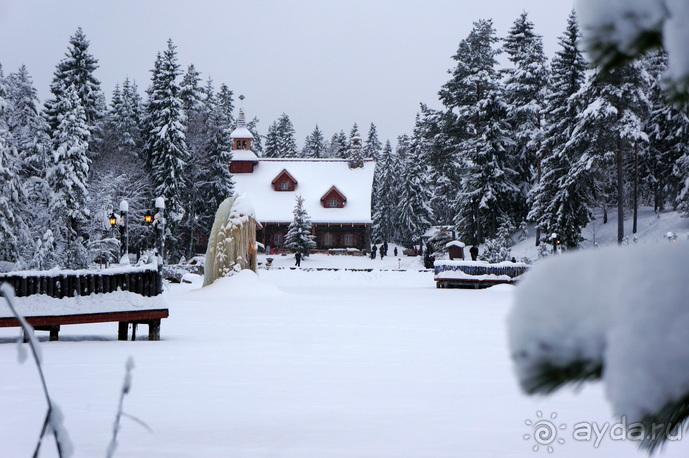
(333, 198)
(284, 182)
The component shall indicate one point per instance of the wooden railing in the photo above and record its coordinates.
(58, 284)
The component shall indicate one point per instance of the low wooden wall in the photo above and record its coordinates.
(83, 283)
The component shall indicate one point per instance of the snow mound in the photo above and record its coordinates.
(245, 283)
(616, 313)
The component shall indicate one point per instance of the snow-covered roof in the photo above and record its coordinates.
(244, 155)
(315, 177)
(241, 132)
(455, 243)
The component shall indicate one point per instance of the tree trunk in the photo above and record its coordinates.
(620, 195)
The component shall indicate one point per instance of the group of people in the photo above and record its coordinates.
(383, 250)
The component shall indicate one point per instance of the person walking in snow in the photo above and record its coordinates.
(374, 252)
(297, 256)
(474, 252)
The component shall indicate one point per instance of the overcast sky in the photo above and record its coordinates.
(324, 62)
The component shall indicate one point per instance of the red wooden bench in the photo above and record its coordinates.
(52, 323)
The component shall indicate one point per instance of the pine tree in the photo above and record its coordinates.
(561, 200)
(314, 145)
(299, 238)
(487, 189)
(272, 144)
(287, 144)
(76, 69)
(611, 127)
(414, 214)
(372, 146)
(384, 199)
(668, 139)
(165, 148)
(68, 174)
(339, 146)
(356, 153)
(9, 185)
(525, 90)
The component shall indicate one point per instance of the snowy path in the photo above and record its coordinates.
(301, 364)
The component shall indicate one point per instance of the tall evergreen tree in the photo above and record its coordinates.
(372, 146)
(356, 152)
(272, 141)
(299, 238)
(287, 144)
(561, 201)
(384, 198)
(77, 70)
(9, 185)
(668, 139)
(414, 214)
(525, 89)
(339, 146)
(611, 127)
(68, 174)
(314, 145)
(166, 148)
(474, 94)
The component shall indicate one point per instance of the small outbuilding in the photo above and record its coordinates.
(455, 249)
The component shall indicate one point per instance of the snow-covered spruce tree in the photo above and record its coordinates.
(487, 189)
(384, 199)
(287, 142)
(299, 238)
(165, 148)
(339, 146)
(668, 139)
(440, 155)
(372, 145)
(29, 133)
(76, 70)
(272, 141)
(356, 151)
(9, 185)
(68, 175)
(560, 201)
(216, 180)
(45, 253)
(525, 90)
(314, 145)
(414, 215)
(611, 128)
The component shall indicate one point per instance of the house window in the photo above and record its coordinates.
(348, 240)
(333, 203)
(328, 239)
(284, 186)
(278, 239)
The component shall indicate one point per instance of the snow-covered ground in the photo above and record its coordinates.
(306, 363)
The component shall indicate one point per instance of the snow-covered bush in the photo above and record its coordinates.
(618, 314)
(498, 248)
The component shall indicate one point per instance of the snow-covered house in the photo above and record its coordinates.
(336, 197)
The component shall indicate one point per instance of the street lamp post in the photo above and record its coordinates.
(124, 232)
(159, 224)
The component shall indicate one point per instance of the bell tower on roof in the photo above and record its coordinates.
(243, 159)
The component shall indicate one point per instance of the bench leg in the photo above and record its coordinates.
(54, 331)
(122, 330)
(154, 329)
